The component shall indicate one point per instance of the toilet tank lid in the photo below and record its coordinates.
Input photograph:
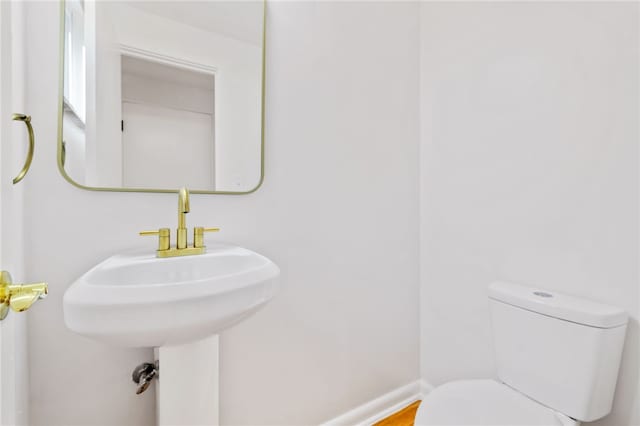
(558, 305)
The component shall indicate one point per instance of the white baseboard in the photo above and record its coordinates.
(383, 406)
(425, 388)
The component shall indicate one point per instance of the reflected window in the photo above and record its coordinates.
(75, 59)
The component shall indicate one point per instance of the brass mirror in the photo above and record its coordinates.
(158, 95)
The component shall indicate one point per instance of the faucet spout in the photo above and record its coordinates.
(183, 206)
(183, 209)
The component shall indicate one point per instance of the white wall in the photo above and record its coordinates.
(338, 212)
(529, 170)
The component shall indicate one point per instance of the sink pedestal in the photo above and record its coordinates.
(136, 299)
(187, 387)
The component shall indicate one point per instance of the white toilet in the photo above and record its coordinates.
(557, 358)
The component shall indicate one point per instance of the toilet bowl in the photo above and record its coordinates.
(537, 384)
(485, 402)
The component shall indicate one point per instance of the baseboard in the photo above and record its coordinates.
(425, 388)
(383, 406)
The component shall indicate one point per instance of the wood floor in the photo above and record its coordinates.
(403, 417)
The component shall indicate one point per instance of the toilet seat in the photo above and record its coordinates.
(484, 402)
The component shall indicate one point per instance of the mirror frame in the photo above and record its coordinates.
(194, 191)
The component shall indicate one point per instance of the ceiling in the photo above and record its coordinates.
(239, 19)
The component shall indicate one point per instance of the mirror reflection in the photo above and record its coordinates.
(158, 95)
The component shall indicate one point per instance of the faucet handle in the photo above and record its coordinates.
(198, 235)
(164, 240)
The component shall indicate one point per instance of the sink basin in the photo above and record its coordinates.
(138, 300)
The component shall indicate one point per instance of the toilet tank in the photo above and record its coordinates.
(559, 350)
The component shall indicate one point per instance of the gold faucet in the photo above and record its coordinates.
(183, 209)
(182, 247)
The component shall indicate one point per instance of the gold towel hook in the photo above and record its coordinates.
(27, 163)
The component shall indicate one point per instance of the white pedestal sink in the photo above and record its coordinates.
(178, 306)
(187, 391)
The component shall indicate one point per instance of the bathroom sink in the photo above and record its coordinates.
(138, 300)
